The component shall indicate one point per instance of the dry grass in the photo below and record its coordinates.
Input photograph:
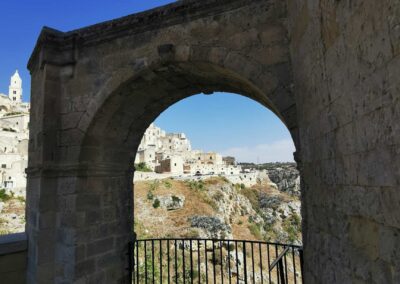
(161, 222)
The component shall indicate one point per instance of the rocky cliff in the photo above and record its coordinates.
(285, 176)
(216, 208)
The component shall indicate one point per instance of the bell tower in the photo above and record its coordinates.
(15, 88)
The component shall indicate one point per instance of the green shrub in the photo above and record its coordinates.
(196, 185)
(150, 195)
(156, 203)
(255, 231)
(21, 199)
(142, 167)
(253, 196)
(4, 196)
(175, 199)
(292, 226)
(154, 185)
(167, 184)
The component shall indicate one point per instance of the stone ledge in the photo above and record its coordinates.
(13, 243)
(153, 19)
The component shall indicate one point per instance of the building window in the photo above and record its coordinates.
(14, 98)
(14, 92)
(210, 158)
(3, 166)
(175, 164)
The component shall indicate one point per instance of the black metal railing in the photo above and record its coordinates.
(214, 261)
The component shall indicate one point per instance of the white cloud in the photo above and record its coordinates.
(278, 151)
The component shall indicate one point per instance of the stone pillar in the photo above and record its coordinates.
(79, 226)
(79, 215)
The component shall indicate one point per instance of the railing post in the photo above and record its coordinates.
(301, 264)
(281, 272)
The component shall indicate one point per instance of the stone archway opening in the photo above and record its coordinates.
(118, 126)
(103, 90)
(190, 209)
(94, 192)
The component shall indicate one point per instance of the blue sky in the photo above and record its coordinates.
(230, 124)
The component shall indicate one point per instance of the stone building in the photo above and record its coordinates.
(14, 136)
(172, 153)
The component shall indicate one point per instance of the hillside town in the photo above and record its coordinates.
(172, 153)
(164, 155)
(14, 136)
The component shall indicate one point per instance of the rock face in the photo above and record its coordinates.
(286, 177)
(218, 209)
(282, 217)
(170, 202)
(211, 227)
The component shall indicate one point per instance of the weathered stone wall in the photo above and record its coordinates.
(96, 90)
(94, 93)
(346, 63)
(13, 258)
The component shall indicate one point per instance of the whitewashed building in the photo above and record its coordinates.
(172, 153)
(14, 137)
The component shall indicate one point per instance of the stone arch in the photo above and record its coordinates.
(102, 86)
(159, 86)
(3, 108)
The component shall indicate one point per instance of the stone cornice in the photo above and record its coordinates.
(158, 18)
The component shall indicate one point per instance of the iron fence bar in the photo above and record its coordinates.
(191, 262)
(244, 261)
(213, 260)
(137, 261)
(261, 263)
(281, 272)
(168, 261)
(286, 270)
(252, 262)
(161, 255)
(145, 261)
(176, 263)
(222, 268)
(206, 260)
(301, 264)
(216, 239)
(152, 261)
(269, 263)
(277, 270)
(183, 262)
(237, 263)
(294, 265)
(229, 263)
(198, 260)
